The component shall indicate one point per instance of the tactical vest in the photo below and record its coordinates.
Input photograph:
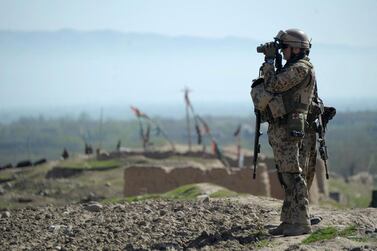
(299, 97)
(295, 100)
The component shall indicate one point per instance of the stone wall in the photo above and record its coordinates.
(155, 154)
(159, 179)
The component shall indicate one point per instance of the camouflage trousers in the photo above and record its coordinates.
(291, 155)
(285, 148)
(295, 208)
(286, 151)
(308, 156)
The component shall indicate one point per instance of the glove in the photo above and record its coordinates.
(269, 51)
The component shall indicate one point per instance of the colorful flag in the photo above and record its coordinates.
(215, 149)
(205, 125)
(138, 113)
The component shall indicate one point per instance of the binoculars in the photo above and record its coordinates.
(261, 48)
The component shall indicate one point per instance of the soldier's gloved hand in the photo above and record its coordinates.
(269, 52)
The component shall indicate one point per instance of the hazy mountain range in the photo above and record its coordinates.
(72, 71)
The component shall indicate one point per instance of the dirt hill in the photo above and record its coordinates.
(86, 211)
(239, 223)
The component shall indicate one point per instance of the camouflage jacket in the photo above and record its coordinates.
(295, 82)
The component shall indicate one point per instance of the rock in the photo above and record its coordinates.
(93, 207)
(369, 231)
(204, 198)
(8, 185)
(180, 214)
(254, 216)
(164, 212)
(129, 246)
(117, 229)
(147, 209)
(2, 191)
(356, 249)
(5, 214)
(119, 207)
(67, 230)
(314, 220)
(54, 228)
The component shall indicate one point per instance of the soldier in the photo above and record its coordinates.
(284, 103)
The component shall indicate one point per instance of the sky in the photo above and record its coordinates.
(338, 22)
(332, 23)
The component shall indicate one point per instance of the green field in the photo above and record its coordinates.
(351, 138)
(91, 164)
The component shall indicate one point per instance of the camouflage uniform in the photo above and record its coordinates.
(297, 79)
(308, 155)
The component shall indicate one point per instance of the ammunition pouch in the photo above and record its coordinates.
(277, 107)
(296, 125)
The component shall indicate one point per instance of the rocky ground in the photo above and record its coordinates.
(205, 224)
(38, 213)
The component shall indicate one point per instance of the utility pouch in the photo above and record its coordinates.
(277, 107)
(296, 125)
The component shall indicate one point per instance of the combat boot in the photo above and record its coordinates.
(296, 229)
(279, 229)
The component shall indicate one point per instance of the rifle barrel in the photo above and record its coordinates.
(256, 141)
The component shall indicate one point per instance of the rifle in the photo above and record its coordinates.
(327, 113)
(258, 133)
(256, 140)
(322, 144)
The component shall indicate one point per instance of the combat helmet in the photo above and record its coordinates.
(294, 38)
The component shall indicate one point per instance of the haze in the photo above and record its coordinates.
(102, 53)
